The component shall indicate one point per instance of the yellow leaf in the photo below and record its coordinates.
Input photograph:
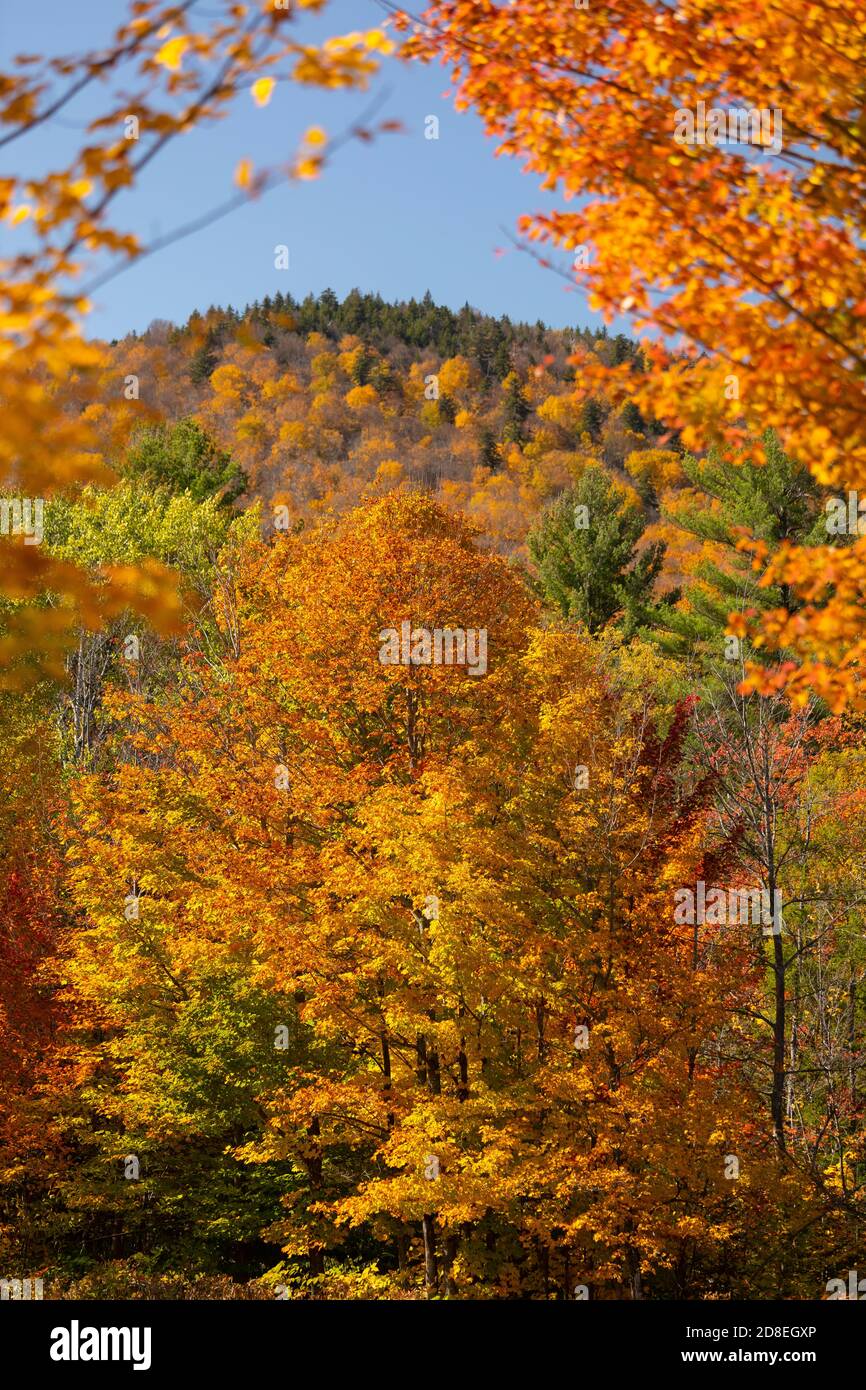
(244, 173)
(172, 52)
(377, 41)
(308, 168)
(315, 136)
(262, 89)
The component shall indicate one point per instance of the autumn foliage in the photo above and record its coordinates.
(739, 259)
(375, 966)
(391, 682)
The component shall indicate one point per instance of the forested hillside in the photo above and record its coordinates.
(422, 908)
(321, 401)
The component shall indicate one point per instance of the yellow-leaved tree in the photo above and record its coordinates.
(170, 70)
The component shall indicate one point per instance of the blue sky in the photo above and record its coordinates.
(401, 216)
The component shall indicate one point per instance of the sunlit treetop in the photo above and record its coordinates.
(740, 261)
(166, 70)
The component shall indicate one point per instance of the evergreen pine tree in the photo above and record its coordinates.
(502, 360)
(363, 366)
(488, 449)
(329, 309)
(592, 419)
(584, 547)
(447, 408)
(632, 418)
(774, 502)
(516, 409)
(204, 360)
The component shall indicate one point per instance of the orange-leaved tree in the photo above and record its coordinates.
(409, 949)
(715, 193)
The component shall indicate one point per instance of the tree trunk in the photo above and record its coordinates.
(431, 1266)
(777, 1101)
(314, 1171)
(450, 1256)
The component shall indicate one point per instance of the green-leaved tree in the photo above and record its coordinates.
(774, 502)
(585, 550)
(184, 458)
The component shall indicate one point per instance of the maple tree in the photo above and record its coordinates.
(408, 958)
(31, 922)
(739, 258)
